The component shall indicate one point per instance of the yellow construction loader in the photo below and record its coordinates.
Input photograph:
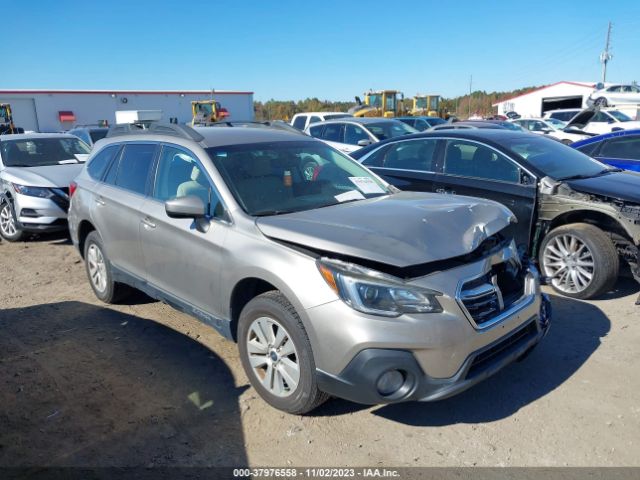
(207, 111)
(380, 103)
(428, 105)
(6, 120)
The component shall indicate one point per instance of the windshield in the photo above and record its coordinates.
(553, 158)
(284, 177)
(510, 126)
(390, 129)
(555, 123)
(621, 117)
(421, 102)
(38, 152)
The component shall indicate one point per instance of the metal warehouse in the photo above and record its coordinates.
(56, 110)
(551, 97)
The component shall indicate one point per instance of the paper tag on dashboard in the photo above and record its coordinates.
(366, 184)
(350, 195)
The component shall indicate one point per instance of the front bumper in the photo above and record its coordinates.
(35, 214)
(358, 382)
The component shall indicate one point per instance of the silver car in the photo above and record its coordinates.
(35, 173)
(331, 284)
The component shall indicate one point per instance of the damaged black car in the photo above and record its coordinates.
(578, 217)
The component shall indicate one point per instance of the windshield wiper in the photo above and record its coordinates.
(268, 213)
(582, 176)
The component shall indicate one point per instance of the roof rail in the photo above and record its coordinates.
(155, 128)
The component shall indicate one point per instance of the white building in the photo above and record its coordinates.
(56, 110)
(551, 97)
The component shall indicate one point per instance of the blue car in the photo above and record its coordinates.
(620, 148)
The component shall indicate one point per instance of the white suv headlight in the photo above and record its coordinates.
(370, 291)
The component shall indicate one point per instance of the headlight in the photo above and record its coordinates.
(41, 192)
(369, 291)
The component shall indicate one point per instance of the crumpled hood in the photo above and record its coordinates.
(408, 228)
(49, 176)
(621, 185)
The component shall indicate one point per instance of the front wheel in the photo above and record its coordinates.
(8, 225)
(580, 259)
(276, 354)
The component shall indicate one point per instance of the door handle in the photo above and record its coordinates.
(99, 201)
(148, 223)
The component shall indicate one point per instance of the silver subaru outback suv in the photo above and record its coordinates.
(330, 280)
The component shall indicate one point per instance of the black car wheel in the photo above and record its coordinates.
(601, 102)
(580, 259)
(276, 354)
(9, 228)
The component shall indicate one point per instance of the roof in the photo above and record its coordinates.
(422, 117)
(588, 85)
(27, 136)
(322, 113)
(360, 120)
(489, 135)
(122, 92)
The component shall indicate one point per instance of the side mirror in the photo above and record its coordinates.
(364, 142)
(547, 130)
(185, 207)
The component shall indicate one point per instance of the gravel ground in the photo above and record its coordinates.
(84, 384)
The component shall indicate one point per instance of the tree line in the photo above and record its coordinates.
(479, 102)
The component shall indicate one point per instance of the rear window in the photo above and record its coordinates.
(99, 163)
(98, 134)
(299, 122)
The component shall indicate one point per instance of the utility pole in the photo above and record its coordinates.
(470, 84)
(606, 56)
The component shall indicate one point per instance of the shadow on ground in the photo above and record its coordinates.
(82, 385)
(574, 335)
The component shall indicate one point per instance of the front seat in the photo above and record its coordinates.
(263, 190)
(197, 186)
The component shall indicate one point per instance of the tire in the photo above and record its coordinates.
(104, 288)
(8, 223)
(601, 102)
(566, 141)
(584, 269)
(270, 329)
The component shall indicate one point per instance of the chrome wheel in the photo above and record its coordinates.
(97, 268)
(273, 356)
(569, 262)
(7, 222)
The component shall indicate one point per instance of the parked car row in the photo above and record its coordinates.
(408, 273)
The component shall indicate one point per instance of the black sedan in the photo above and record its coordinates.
(575, 214)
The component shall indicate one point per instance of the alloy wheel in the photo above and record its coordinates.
(7, 221)
(569, 262)
(273, 356)
(97, 268)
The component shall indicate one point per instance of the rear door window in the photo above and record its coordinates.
(135, 165)
(353, 134)
(470, 159)
(316, 131)
(333, 132)
(314, 120)
(623, 147)
(411, 155)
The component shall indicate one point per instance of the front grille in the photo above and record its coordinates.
(61, 197)
(502, 349)
(485, 297)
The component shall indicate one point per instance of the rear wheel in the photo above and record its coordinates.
(580, 259)
(8, 225)
(276, 354)
(99, 271)
(601, 102)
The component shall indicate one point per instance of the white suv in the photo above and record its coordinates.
(302, 120)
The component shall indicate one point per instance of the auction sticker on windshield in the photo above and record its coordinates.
(366, 185)
(350, 195)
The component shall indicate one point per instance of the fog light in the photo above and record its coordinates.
(29, 212)
(390, 382)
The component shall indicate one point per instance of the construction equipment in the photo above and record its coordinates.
(428, 105)
(6, 120)
(206, 112)
(380, 103)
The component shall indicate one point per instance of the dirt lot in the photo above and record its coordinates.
(141, 384)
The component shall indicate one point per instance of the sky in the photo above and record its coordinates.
(290, 50)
